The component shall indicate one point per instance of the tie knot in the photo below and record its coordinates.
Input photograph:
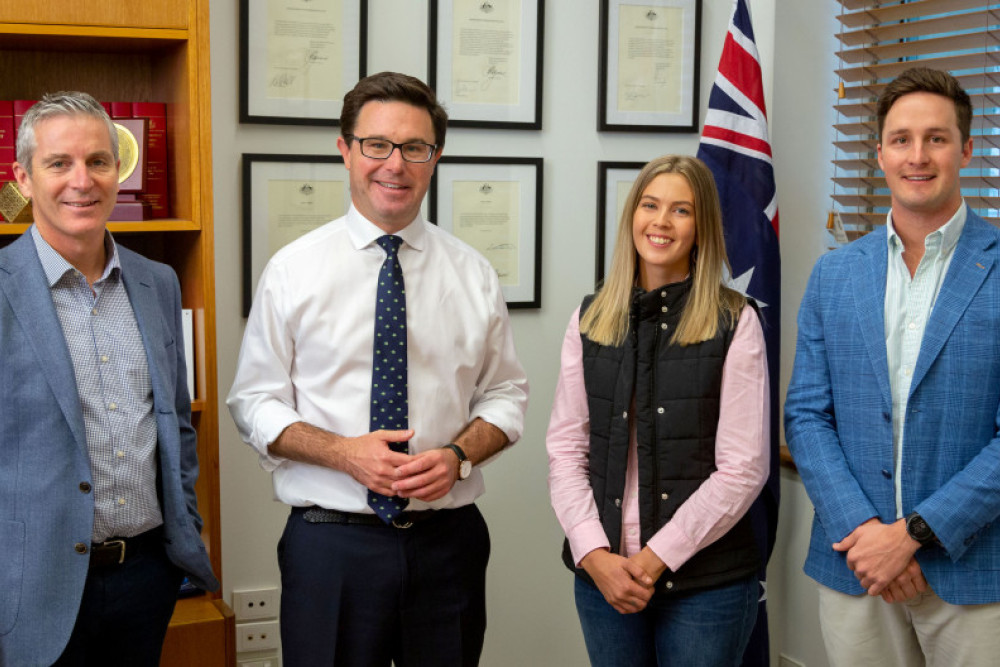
(389, 243)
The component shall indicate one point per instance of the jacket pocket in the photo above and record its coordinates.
(11, 572)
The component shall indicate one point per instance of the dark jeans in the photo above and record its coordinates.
(703, 628)
(362, 596)
(124, 613)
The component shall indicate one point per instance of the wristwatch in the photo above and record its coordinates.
(464, 464)
(918, 529)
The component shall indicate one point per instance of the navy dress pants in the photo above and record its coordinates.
(368, 595)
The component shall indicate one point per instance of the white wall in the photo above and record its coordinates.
(532, 620)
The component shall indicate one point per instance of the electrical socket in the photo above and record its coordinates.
(255, 604)
(256, 636)
(264, 662)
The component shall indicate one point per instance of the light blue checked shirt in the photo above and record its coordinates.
(908, 305)
(116, 393)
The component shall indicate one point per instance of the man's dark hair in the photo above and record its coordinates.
(926, 80)
(392, 87)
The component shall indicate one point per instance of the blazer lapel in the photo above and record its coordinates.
(23, 282)
(968, 270)
(140, 286)
(868, 286)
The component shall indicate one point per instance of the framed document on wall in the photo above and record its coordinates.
(649, 65)
(614, 180)
(284, 197)
(485, 61)
(495, 205)
(299, 57)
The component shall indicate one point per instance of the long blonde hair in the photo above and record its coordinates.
(606, 320)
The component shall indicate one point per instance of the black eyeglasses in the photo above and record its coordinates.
(377, 148)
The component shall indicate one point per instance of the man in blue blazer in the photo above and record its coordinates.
(98, 516)
(893, 409)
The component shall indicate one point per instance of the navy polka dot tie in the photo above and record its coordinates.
(388, 405)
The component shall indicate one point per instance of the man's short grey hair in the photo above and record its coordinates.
(65, 103)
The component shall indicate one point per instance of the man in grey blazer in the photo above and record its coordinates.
(98, 516)
(892, 413)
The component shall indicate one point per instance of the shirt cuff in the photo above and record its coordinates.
(586, 537)
(672, 546)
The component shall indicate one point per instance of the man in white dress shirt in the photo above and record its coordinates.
(358, 589)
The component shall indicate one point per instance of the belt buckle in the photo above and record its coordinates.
(117, 543)
(406, 523)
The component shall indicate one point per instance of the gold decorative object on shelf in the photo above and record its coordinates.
(13, 205)
(128, 152)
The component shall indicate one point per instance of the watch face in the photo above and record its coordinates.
(918, 529)
(465, 469)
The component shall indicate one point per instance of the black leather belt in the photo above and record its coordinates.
(117, 550)
(321, 515)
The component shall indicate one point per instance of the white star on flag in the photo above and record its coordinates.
(741, 283)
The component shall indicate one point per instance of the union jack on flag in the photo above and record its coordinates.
(735, 146)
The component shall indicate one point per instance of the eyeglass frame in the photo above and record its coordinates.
(361, 147)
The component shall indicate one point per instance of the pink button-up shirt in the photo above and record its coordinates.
(742, 456)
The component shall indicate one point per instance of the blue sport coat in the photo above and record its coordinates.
(838, 414)
(44, 512)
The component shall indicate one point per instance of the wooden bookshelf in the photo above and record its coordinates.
(128, 50)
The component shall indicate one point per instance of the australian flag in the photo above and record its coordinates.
(735, 147)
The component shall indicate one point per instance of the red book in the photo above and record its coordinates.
(20, 108)
(6, 164)
(6, 124)
(121, 109)
(157, 173)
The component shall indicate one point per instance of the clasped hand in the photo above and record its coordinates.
(626, 583)
(425, 476)
(881, 557)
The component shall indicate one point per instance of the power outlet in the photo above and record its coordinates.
(256, 636)
(264, 662)
(256, 604)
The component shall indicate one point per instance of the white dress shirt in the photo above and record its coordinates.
(908, 305)
(307, 352)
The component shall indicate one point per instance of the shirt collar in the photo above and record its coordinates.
(55, 265)
(364, 232)
(948, 233)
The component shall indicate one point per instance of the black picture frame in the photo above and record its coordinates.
(463, 109)
(256, 107)
(522, 286)
(609, 176)
(259, 236)
(661, 72)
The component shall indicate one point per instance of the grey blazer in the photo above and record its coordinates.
(43, 451)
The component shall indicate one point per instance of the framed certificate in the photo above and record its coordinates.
(284, 197)
(495, 205)
(614, 180)
(649, 65)
(299, 57)
(485, 61)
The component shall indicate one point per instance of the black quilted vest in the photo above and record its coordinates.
(676, 391)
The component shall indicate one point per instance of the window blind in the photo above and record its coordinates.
(878, 41)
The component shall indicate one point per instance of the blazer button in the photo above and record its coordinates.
(85, 487)
(664, 496)
(669, 585)
(80, 548)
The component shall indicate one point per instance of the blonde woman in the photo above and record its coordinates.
(658, 436)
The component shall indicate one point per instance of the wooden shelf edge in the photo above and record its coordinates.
(35, 30)
(165, 225)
